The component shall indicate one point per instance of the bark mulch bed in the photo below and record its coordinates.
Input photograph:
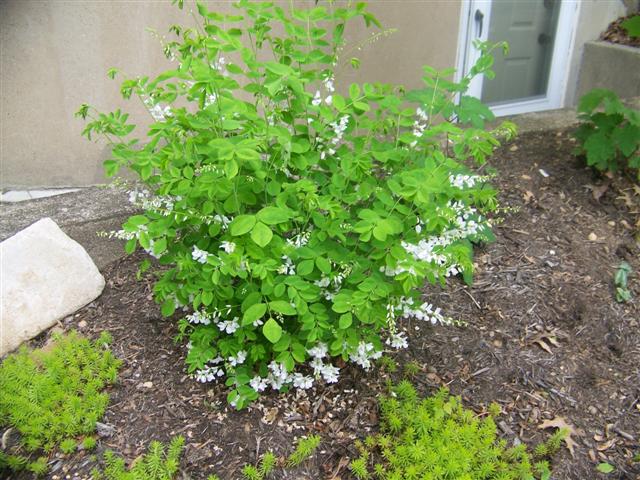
(545, 339)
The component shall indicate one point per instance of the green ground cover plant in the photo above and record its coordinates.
(437, 438)
(159, 463)
(295, 223)
(609, 133)
(621, 282)
(55, 394)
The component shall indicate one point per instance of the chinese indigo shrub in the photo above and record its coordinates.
(294, 224)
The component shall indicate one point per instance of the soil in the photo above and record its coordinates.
(616, 34)
(545, 338)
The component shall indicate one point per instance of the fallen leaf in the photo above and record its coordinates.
(560, 423)
(546, 340)
(527, 196)
(606, 445)
(597, 191)
(543, 345)
(270, 415)
(626, 197)
(525, 177)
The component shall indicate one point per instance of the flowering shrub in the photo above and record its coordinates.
(295, 223)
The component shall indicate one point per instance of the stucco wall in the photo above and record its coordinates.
(54, 56)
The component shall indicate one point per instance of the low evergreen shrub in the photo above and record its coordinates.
(436, 438)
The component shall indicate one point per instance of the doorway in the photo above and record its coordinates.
(532, 76)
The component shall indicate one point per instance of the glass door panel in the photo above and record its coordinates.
(529, 27)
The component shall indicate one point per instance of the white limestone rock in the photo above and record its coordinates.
(45, 276)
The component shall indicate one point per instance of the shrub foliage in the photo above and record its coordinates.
(295, 223)
(609, 135)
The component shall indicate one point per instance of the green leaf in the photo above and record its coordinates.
(632, 26)
(253, 313)
(305, 267)
(278, 68)
(323, 265)
(168, 307)
(627, 138)
(345, 321)
(242, 224)
(130, 246)
(282, 307)
(207, 298)
(261, 234)
(247, 154)
(111, 167)
(605, 468)
(273, 215)
(600, 150)
(231, 168)
(272, 330)
(159, 246)
(354, 91)
(363, 107)
(591, 100)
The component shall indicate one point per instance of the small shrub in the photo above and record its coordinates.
(411, 369)
(609, 135)
(68, 445)
(437, 438)
(388, 364)
(55, 394)
(159, 463)
(296, 224)
(265, 467)
(304, 449)
(621, 279)
(89, 443)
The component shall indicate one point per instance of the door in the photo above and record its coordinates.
(532, 76)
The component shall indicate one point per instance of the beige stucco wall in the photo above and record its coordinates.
(54, 56)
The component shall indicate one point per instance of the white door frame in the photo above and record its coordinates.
(559, 70)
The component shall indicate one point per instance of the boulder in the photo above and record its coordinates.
(45, 276)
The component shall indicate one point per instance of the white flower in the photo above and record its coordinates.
(302, 382)
(198, 317)
(228, 247)
(328, 84)
(239, 359)
(199, 255)
(258, 383)
(158, 113)
(278, 375)
(324, 282)
(330, 373)
(210, 99)
(299, 240)
(229, 326)
(398, 340)
(287, 267)
(318, 351)
(328, 100)
(464, 181)
(208, 374)
(364, 354)
(317, 99)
